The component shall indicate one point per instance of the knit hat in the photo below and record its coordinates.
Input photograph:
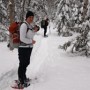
(29, 13)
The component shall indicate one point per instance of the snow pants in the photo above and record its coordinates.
(45, 31)
(24, 60)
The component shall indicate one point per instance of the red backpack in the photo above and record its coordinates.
(14, 36)
(14, 32)
(14, 39)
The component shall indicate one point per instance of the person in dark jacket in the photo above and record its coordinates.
(45, 26)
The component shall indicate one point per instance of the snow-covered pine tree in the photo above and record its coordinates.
(69, 15)
(80, 20)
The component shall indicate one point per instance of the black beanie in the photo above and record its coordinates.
(29, 13)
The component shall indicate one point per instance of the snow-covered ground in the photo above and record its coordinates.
(54, 68)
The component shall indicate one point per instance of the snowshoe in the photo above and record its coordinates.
(26, 82)
(18, 86)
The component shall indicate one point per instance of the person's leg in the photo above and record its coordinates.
(24, 58)
(45, 31)
(21, 68)
(29, 51)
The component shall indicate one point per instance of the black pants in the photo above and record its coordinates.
(45, 31)
(24, 60)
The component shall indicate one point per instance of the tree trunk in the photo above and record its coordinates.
(11, 10)
(85, 9)
(43, 2)
(23, 11)
(29, 2)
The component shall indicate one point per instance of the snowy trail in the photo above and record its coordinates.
(54, 68)
(39, 58)
(61, 71)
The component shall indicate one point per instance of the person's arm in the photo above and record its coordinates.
(23, 32)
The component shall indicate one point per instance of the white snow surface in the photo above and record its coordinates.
(54, 68)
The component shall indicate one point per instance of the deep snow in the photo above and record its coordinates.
(54, 68)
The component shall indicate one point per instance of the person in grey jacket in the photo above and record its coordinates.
(27, 33)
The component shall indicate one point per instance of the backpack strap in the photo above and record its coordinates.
(27, 27)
